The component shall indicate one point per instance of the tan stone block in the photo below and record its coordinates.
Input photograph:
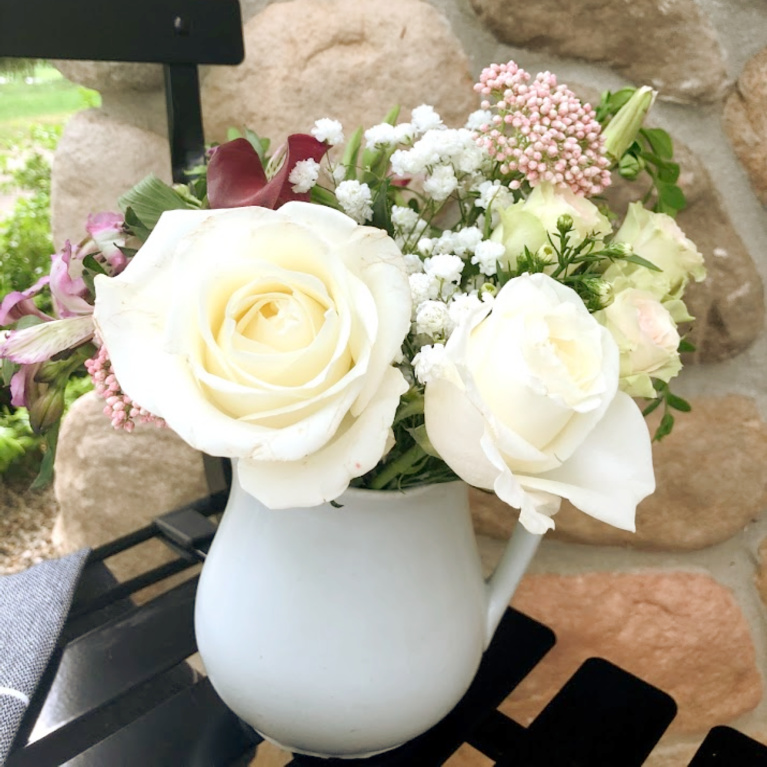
(96, 161)
(269, 755)
(109, 482)
(112, 75)
(711, 475)
(682, 632)
(761, 573)
(668, 45)
(745, 121)
(342, 59)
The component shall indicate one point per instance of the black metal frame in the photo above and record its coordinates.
(140, 703)
(180, 34)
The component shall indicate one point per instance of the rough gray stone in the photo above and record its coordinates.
(109, 482)
(745, 120)
(112, 75)
(96, 161)
(341, 59)
(668, 44)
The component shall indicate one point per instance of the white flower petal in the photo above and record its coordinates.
(322, 476)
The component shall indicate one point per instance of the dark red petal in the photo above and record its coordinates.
(301, 146)
(236, 177)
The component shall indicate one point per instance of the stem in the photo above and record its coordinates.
(398, 466)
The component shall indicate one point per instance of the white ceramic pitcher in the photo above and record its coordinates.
(349, 628)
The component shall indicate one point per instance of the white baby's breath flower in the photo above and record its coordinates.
(330, 131)
(425, 246)
(479, 118)
(441, 183)
(486, 256)
(428, 363)
(424, 118)
(338, 173)
(466, 240)
(447, 268)
(413, 263)
(381, 136)
(355, 199)
(423, 287)
(493, 193)
(304, 175)
(432, 318)
(460, 306)
(403, 217)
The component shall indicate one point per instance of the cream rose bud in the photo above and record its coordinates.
(658, 238)
(528, 222)
(526, 403)
(265, 336)
(647, 338)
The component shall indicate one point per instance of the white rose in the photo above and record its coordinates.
(527, 405)
(527, 223)
(647, 338)
(658, 238)
(266, 336)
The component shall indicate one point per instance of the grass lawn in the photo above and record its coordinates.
(42, 96)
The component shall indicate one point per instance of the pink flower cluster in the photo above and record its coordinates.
(540, 131)
(120, 408)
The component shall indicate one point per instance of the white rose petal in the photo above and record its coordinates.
(530, 383)
(266, 336)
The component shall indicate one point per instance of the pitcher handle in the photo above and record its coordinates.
(502, 584)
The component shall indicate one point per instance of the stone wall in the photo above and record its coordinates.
(683, 603)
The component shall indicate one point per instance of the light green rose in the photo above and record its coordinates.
(527, 223)
(658, 238)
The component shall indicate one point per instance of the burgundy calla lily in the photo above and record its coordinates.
(236, 177)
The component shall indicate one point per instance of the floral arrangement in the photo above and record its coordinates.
(409, 305)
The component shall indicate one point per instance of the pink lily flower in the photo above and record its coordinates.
(237, 178)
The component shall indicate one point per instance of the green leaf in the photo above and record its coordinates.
(45, 475)
(349, 160)
(381, 213)
(150, 198)
(671, 196)
(686, 346)
(392, 115)
(135, 225)
(660, 142)
(654, 404)
(668, 172)
(635, 259)
(232, 134)
(678, 403)
(261, 145)
(9, 368)
(324, 197)
(665, 427)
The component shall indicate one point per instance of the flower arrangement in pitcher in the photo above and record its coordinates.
(408, 305)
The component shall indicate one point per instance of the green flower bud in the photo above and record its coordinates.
(46, 409)
(596, 293)
(621, 131)
(565, 223)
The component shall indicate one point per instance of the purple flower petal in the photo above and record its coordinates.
(22, 385)
(19, 304)
(68, 292)
(41, 342)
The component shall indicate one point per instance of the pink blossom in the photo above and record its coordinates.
(542, 132)
(106, 230)
(19, 304)
(68, 291)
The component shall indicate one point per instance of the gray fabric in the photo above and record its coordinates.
(33, 607)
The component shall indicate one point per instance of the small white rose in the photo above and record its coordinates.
(647, 338)
(527, 223)
(266, 336)
(530, 383)
(658, 238)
